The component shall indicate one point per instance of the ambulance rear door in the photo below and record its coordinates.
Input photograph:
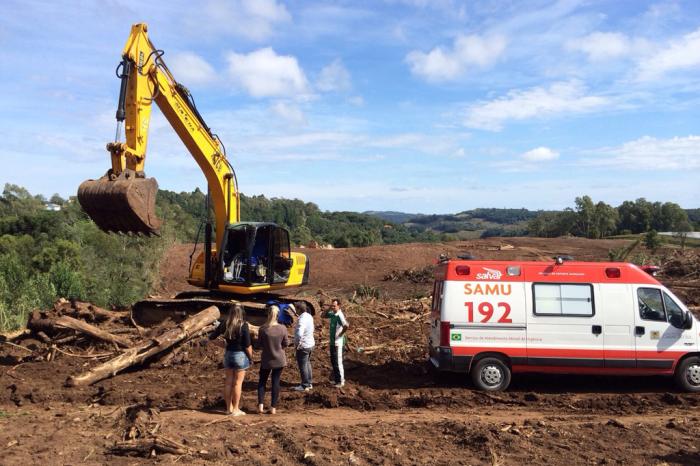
(487, 315)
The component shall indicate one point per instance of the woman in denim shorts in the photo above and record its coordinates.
(237, 357)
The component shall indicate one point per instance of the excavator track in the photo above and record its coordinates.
(153, 311)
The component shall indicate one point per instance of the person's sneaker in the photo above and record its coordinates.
(299, 388)
(339, 385)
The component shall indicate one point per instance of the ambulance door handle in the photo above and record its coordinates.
(639, 331)
(597, 330)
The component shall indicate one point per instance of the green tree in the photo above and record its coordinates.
(652, 240)
(585, 213)
(605, 219)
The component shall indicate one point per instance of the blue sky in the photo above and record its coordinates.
(411, 105)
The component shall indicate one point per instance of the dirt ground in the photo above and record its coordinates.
(391, 411)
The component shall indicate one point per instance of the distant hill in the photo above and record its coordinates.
(466, 224)
(392, 216)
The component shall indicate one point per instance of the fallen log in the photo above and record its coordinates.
(84, 327)
(165, 362)
(54, 327)
(96, 314)
(140, 353)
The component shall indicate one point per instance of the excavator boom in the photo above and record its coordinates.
(123, 200)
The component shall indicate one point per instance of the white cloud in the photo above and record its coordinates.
(558, 98)
(540, 154)
(649, 153)
(334, 77)
(357, 101)
(252, 19)
(263, 73)
(289, 112)
(467, 52)
(191, 69)
(679, 54)
(600, 46)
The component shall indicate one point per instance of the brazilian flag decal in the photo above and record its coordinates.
(456, 337)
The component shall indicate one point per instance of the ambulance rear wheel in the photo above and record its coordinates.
(688, 374)
(491, 375)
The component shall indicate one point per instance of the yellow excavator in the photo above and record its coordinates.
(248, 261)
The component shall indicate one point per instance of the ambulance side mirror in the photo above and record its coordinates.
(687, 321)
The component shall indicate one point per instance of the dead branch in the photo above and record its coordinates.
(140, 353)
(87, 356)
(83, 327)
(133, 322)
(65, 340)
(43, 337)
(16, 346)
(147, 447)
(419, 316)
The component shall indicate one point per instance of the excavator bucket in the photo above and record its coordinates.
(121, 205)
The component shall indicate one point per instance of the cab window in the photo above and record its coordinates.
(281, 256)
(675, 314)
(651, 306)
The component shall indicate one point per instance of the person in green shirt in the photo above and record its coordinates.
(338, 326)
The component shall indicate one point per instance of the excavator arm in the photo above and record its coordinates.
(124, 199)
(251, 258)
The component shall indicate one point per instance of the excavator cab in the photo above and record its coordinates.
(256, 254)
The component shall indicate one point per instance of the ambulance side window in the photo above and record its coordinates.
(676, 316)
(563, 299)
(651, 306)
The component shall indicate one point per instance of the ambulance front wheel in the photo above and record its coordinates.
(491, 374)
(688, 374)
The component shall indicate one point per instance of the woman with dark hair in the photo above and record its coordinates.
(237, 357)
(272, 339)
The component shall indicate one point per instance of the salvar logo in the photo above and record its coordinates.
(490, 274)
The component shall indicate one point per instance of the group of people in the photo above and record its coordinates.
(272, 340)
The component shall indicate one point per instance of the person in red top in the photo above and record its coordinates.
(272, 339)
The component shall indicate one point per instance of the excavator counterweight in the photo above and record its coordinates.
(121, 205)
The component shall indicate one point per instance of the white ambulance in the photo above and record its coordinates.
(494, 318)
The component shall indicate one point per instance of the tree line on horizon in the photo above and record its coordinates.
(598, 220)
(46, 254)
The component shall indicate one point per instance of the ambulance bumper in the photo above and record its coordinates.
(442, 359)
